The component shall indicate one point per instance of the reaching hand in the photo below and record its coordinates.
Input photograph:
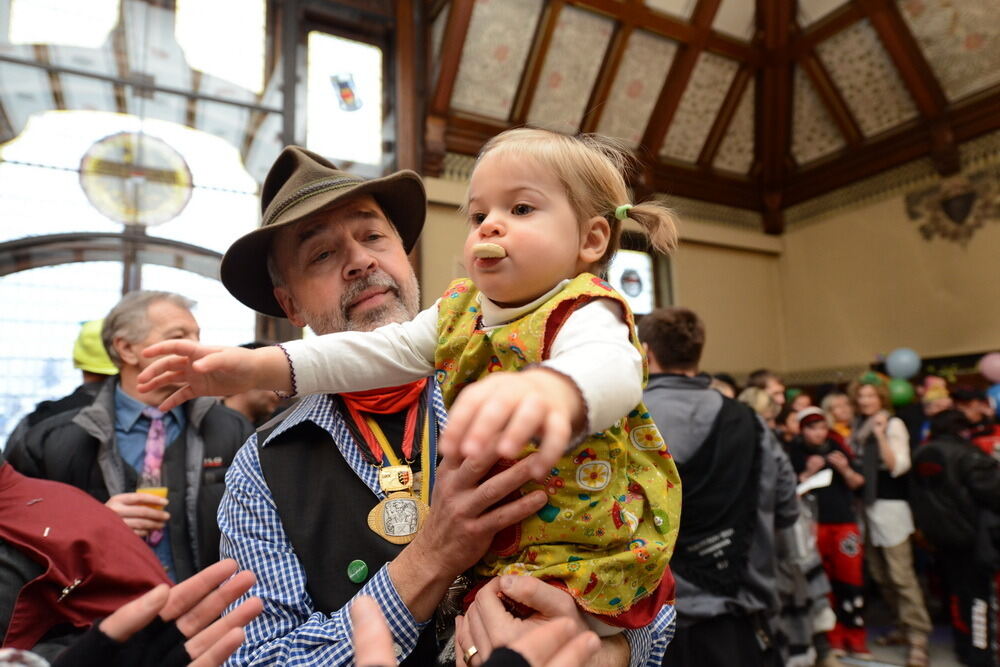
(814, 464)
(555, 635)
(880, 422)
(194, 605)
(135, 511)
(372, 638)
(201, 370)
(838, 461)
(501, 413)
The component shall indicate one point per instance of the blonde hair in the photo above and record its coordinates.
(761, 402)
(592, 169)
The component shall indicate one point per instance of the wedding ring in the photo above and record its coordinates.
(469, 654)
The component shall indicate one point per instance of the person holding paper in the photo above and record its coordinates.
(812, 453)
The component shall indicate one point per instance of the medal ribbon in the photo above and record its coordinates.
(425, 453)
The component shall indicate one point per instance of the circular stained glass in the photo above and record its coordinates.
(134, 178)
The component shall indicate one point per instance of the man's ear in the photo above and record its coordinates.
(594, 239)
(126, 351)
(287, 303)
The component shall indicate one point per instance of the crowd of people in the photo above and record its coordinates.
(372, 488)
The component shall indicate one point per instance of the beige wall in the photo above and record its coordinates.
(865, 282)
(737, 293)
(440, 250)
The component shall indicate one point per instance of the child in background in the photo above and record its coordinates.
(545, 214)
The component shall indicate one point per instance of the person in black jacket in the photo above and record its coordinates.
(956, 502)
(102, 446)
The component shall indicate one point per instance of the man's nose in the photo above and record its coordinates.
(360, 261)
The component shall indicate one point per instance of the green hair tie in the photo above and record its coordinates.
(871, 377)
(622, 211)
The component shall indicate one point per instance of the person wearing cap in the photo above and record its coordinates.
(984, 432)
(838, 537)
(91, 358)
(331, 253)
(118, 441)
(738, 489)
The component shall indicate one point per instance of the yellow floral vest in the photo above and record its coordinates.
(609, 527)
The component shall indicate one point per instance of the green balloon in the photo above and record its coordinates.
(901, 392)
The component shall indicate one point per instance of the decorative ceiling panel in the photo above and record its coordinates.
(496, 48)
(223, 120)
(437, 38)
(814, 133)
(736, 150)
(735, 18)
(699, 105)
(25, 91)
(571, 65)
(681, 8)
(151, 46)
(637, 85)
(81, 92)
(811, 11)
(865, 75)
(961, 39)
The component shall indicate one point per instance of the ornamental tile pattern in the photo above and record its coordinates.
(814, 133)
(637, 85)
(864, 73)
(496, 48)
(698, 107)
(571, 65)
(960, 39)
(736, 150)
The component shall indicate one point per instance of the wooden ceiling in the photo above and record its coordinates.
(811, 96)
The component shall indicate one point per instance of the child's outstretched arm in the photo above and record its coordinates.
(204, 370)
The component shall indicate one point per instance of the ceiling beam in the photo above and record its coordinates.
(452, 44)
(972, 118)
(677, 81)
(467, 133)
(773, 118)
(436, 125)
(55, 82)
(831, 97)
(686, 32)
(918, 77)
(831, 24)
(405, 56)
(606, 78)
(6, 128)
(725, 116)
(536, 61)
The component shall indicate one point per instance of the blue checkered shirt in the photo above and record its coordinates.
(290, 631)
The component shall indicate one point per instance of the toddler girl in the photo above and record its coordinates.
(545, 213)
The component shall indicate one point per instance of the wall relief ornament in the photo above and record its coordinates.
(957, 207)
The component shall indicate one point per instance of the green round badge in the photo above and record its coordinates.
(357, 571)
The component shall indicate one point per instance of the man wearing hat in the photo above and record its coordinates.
(307, 495)
(92, 359)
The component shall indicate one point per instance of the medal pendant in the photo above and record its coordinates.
(398, 517)
(395, 478)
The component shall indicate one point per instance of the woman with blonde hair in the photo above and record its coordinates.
(883, 444)
(761, 402)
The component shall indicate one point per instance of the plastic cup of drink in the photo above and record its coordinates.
(158, 491)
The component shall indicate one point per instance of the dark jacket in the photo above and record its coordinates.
(77, 447)
(953, 480)
(685, 410)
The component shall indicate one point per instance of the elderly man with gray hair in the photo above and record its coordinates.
(120, 443)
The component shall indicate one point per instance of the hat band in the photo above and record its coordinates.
(310, 190)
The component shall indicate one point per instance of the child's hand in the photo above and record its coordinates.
(201, 370)
(502, 412)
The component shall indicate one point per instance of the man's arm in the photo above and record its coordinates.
(648, 645)
(786, 504)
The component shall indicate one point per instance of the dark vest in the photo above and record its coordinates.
(720, 484)
(324, 507)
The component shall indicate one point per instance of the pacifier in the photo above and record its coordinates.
(488, 251)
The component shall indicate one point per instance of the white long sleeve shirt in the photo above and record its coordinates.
(592, 348)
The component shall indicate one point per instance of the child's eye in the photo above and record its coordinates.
(477, 218)
(522, 209)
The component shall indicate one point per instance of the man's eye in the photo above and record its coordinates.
(321, 256)
(375, 237)
(522, 209)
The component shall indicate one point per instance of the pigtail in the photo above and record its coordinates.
(659, 223)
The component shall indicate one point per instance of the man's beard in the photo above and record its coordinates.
(402, 306)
